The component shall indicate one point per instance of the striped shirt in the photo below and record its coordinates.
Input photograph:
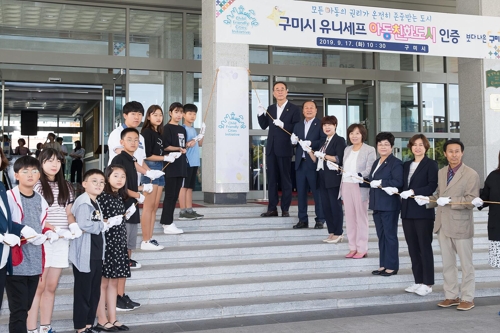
(56, 215)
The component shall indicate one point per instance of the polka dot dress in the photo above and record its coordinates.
(494, 257)
(116, 264)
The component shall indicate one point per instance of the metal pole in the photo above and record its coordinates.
(264, 167)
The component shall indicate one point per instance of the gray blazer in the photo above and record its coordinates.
(456, 221)
(364, 163)
(79, 248)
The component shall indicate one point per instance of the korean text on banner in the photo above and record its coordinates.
(356, 28)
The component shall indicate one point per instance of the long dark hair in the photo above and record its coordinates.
(122, 192)
(147, 123)
(78, 145)
(62, 184)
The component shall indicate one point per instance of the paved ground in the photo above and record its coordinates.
(410, 318)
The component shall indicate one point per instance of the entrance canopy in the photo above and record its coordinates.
(331, 26)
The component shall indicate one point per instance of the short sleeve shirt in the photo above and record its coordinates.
(175, 136)
(114, 143)
(153, 142)
(56, 214)
(193, 153)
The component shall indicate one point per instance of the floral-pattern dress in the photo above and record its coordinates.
(116, 262)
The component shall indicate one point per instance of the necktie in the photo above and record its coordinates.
(450, 176)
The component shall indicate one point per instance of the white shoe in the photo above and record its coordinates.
(423, 290)
(412, 288)
(147, 246)
(172, 230)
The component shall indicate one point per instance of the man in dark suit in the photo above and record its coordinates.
(308, 135)
(279, 148)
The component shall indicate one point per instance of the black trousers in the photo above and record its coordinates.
(20, 293)
(76, 168)
(418, 234)
(86, 294)
(279, 168)
(332, 207)
(3, 275)
(172, 188)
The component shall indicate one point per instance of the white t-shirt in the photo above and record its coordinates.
(350, 165)
(114, 143)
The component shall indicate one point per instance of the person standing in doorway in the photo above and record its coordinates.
(52, 143)
(21, 149)
(77, 162)
(64, 153)
(308, 134)
(279, 148)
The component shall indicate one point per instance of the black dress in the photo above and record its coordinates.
(116, 262)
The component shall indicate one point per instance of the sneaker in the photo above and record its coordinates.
(127, 299)
(122, 305)
(449, 302)
(149, 246)
(155, 242)
(45, 329)
(187, 216)
(171, 229)
(413, 288)
(134, 264)
(198, 216)
(465, 306)
(423, 290)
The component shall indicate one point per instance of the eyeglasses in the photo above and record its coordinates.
(28, 171)
(97, 183)
(383, 144)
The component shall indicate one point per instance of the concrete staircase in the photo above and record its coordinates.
(234, 263)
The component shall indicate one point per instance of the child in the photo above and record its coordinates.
(130, 142)
(9, 232)
(87, 252)
(59, 195)
(194, 142)
(28, 208)
(174, 140)
(112, 203)
(152, 131)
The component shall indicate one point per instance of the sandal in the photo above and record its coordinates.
(121, 327)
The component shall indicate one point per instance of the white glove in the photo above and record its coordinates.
(260, 110)
(141, 198)
(169, 158)
(130, 211)
(332, 166)
(203, 128)
(154, 174)
(306, 145)
(354, 177)
(148, 188)
(319, 155)
(278, 123)
(38, 240)
(176, 154)
(407, 194)
(115, 220)
(75, 229)
(375, 183)
(443, 201)
(105, 227)
(390, 190)
(477, 202)
(64, 233)
(51, 236)
(27, 232)
(421, 200)
(11, 239)
(199, 137)
(294, 139)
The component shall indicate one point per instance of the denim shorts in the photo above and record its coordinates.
(154, 165)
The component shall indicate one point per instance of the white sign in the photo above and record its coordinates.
(232, 137)
(331, 26)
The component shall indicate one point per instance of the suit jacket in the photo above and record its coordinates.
(391, 174)
(6, 225)
(278, 141)
(456, 221)
(491, 192)
(423, 182)
(364, 163)
(315, 135)
(335, 147)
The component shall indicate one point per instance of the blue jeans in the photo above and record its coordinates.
(154, 165)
